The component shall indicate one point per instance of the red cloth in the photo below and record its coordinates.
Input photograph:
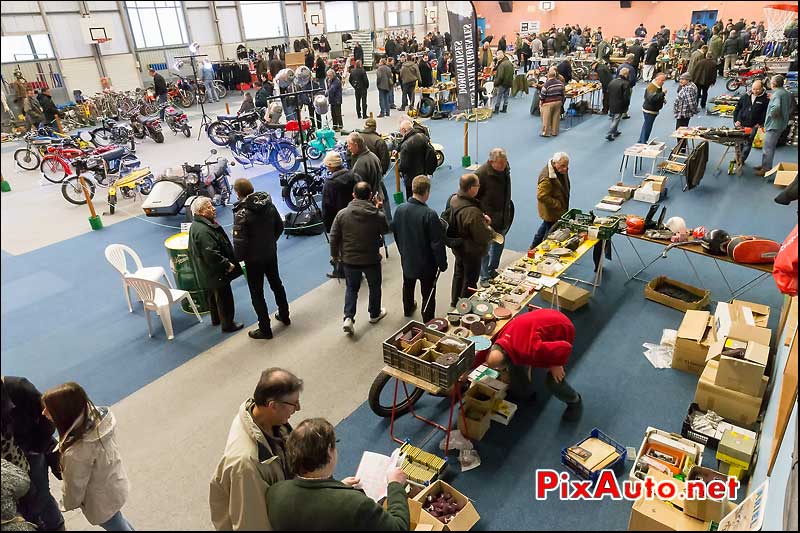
(785, 269)
(540, 338)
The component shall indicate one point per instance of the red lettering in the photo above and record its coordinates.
(564, 487)
(716, 490)
(581, 490)
(649, 488)
(733, 488)
(666, 490)
(546, 481)
(695, 489)
(607, 486)
(632, 489)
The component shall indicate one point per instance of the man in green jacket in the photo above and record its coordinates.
(214, 262)
(314, 501)
(778, 112)
(503, 80)
(715, 46)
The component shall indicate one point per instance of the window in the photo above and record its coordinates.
(26, 47)
(340, 16)
(156, 24)
(262, 20)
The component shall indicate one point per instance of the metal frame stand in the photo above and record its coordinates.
(206, 120)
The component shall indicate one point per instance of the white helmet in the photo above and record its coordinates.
(676, 225)
(321, 104)
(302, 75)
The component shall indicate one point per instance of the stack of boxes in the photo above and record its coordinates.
(483, 403)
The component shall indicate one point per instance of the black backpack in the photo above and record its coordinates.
(303, 224)
(431, 161)
(452, 234)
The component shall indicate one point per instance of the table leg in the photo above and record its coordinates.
(619, 258)
(394, 410)
(644, 266)
(689, 260)
(749, 285)
(718, 169)
(725, 279)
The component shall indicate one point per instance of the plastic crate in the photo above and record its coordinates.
(577, 220)
(430, 371)
(582, 471)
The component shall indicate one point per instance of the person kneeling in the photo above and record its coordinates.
(538, 339)
(315, 501)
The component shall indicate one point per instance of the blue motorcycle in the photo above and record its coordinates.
(265, 149)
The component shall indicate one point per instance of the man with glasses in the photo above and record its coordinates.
(255, 454)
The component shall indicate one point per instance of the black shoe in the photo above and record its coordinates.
(215, 322)
(505, 109)
(334, 275)
(496, 110)
(573, 411)
(236, 326)
(258, 333)
(610, 137)
(285, 321)
(411, 311)
(392, 106)
(617, 134)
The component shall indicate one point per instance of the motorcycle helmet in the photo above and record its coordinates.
(302, 75)
(716, 242)
(676, 225)
(634, 225)
(321, 104)
(284, 78)
(699, 232)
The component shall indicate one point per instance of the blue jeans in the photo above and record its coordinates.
(384, 102)
(615, 118)
(749, 146)
(502, 95)
(542, 232)
(647, 127)
(491, 261)
(162, 99)
(38, 506)
(352, 276)
(768, 150)
(117, 523)
(211, 91)
(391, 97)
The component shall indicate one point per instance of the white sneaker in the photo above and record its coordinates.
(378, 318)
(347, 327)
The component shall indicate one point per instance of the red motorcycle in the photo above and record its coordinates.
(56, 165)
(745, 78)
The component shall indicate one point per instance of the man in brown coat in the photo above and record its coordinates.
(472, 226)
(552, 194)
(705, 75)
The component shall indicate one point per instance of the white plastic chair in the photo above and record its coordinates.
(116, 255)
(489, 86)
(158, 297)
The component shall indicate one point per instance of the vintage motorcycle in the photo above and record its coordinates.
(147, 127)
(219, 131)
(177, 121)
(113, 132)
(265, 149)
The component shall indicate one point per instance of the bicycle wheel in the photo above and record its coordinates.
(219, 133)
(54, 169)
(286, 158)
(380, 397)
(221, 90)
(72, 191)
(27, 159)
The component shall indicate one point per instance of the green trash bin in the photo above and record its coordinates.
(183, 271)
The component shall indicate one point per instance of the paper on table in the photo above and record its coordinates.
(372, 473)
(602, 206)
(547, 281)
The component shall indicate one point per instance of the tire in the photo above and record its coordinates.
(426, 107)
(218, 133)
(295, 193)
(403, 405)
(146, 186)
(138, 130)
(27, 159)
(221, 90)
(187, 131)
(286, 158)
(732, 85)
(186, 100)
(72, 191)
(157, 136)
(53, 169)
(313, 153)
(101, 136)
(439, 158)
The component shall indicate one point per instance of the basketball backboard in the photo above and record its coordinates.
(95, 29)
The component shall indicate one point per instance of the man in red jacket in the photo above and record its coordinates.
(537, 339)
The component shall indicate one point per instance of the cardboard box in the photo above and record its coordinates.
(705, 508)
(655, 515)
(759, 312)
(651, 293)
(663, 440)
(658, 183)
(420, 520)
(695, 336)
(621, 190)
(570, 297)
(737, 407)
(474, 426)
(744, 375)
(741, 320)
(649, 195)
(785, 174)
(463, 521)
(738, 445)
(482, 396)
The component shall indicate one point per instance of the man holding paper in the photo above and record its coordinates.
(538, 339)
(314, 501)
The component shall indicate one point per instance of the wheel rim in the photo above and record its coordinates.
(53, 170)
(27, 160)
(286, 158)
(219, 134)
(298, 195)
(74, 191)
(381, 396)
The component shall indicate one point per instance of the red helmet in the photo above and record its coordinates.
(699, 232)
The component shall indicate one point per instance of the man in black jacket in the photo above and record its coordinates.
(425, 72)
(336, 194)
(360, 82)
(494, 197)
(604, 76)
(420, 239)
(32, 432)
(257, 226)
(650, 60)
(654, 98)
(355, 242)
(413, 148)
(638, 54)
(619, 99)
(358, 52)
(160, 89)
(214, 263)
(48, 107)
(366, 165)
(751, 112)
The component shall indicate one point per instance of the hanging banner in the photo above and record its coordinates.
(464, 32)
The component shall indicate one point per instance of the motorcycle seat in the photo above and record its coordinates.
(227, 117)
(219, 169)
(116, 153)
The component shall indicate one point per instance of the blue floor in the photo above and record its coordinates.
(64, 316)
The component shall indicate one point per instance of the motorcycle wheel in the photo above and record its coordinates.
(426, 107)
(102, 136)
(381, 404)
(286, 158)
(53, 169)
(221, 90)
(27, 159)
(187, 131)
(218, 133)
(146, 186)
(158, 136)
(138, 130)
(732, 85)
(313, 153)
(186, 100)
(439, 158)
(295, 194)
(72, 191)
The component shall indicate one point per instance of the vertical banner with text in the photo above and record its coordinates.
(463, 30)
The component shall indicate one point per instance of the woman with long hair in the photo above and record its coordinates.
(91, 467)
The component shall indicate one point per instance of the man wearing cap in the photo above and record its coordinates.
(779, 113)
(420, 239)
(336, 194)
(494, 197)
(409, 76)
(537, 339)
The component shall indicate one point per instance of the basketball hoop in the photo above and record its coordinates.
(102, 40)
(778, 17)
